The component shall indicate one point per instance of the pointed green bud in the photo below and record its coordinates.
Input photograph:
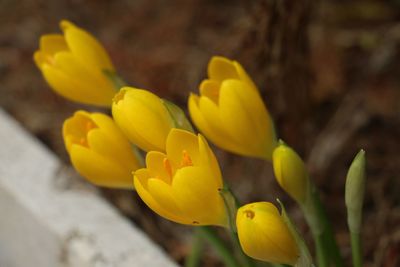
(354, 195)
(290, 172)
(178, 116)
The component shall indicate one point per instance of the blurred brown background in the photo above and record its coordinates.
(329, 72)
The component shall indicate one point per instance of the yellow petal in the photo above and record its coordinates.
(208, 159)
(220, 68)
(75, 127)
(64, 24)
(290, 172)
(249, 125)
(142, 175)
(264, 235)
(85, 47)
(162, 194)
(102, 158)
(127, 128)
(210, 89)
(244, 76)
(211, 113)
(143, 117)
(180, 140)
(94, 83)
(156, 166)
(69, 88)
(234, 115)
(50, 44)
(109, 147)
(108, 126)
(197, 196)
(148, 114)
(197, 117)
(206, 116)
(216, 135)
(39, 58)
(100, 170)
(140, 182)
(256, 113)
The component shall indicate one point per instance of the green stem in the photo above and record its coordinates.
(330, 244)
(193, 259)
(322, 258)
(356, 249)
(219, 246)
(326, 247)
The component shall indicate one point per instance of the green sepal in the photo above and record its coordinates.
(178, 116)
(304, 259)
(115, 79)
(231, 207)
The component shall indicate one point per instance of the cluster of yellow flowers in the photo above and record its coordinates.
(181, 179)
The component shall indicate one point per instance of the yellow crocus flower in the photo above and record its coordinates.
(74, 65)
(264, 235)
(291, 173)
(230, 111)
(99, 151)
(143, 118)
(183, 184)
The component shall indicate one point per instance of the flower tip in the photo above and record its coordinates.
(64, 24)
(201, 138)
(281, 142)
(193, 99)
(217, 59)
(360, 157)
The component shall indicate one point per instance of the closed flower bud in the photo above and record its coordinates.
(290, 172)
(264, 235)
(354, 195)
(230, 111)
(99, 151)
(74, 65)
(183, 184)
(143, 118)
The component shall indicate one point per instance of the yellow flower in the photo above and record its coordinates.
(230, 111)
(143, 118)
(290, 172)
(98, 150)
(73, 64)
(183, 184)
(264, 235)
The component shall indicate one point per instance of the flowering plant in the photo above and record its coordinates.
(180, 178)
